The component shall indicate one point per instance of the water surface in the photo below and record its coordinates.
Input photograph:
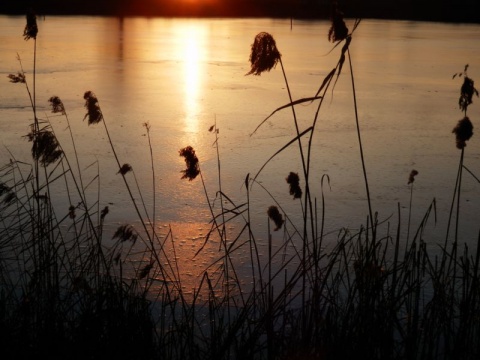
(184, 75)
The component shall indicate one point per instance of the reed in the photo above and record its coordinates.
(67, 290)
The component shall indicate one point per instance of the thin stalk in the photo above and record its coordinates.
(409, 213)
(224, 229)
(252, 244)
(457, 219)
(456, 193)
(308, 203)
(154, 207)
(362, 157)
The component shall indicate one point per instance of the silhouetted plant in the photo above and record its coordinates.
(276, 217)
(467, 90)
(191, 160)
(17, 78)
(94, 114)
(338, 29)
(264, 55)
(463, 132)
(31, 28)
(294, 181)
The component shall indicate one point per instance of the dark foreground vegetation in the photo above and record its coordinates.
(427, 10)
(67, 291)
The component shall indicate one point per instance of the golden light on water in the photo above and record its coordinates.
(191, 38)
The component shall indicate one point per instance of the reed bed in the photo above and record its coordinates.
(67, 290)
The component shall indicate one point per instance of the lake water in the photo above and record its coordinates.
(184, 75)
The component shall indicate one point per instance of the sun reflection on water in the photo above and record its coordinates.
(191, 40)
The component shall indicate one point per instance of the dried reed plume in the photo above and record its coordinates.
(294, 181)
(467, 90)
(125, 233)
(264, 55)
(104, 212)
(276, 217)
(4, 188)
(338, 30)
(18, 78)
(463, 132)
(31, 28)
(191, 161)
(146, 270)
(124, 169)
(45, 148)
(411, 177)
(57, 105)
(94, 113)
(9, 198)
(466, 93)
(71, 212)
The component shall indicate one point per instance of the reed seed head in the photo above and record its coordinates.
(71, 212)
(4, 188)
(276, 217)
(124, 169)
(17, 78)
(463, 132)
(45, 148)
(31, 28)
(9, 198)
(191, 160)
(94, 114)
(338, 30)
(125, 233)
(466, 93)
(57, 105)
(146, 270)
(264, 55)
(104, 212)
(294, 181)
(411, 177)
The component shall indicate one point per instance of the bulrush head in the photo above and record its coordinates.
(338, 30)
(31, 28)
(125, 233)
(125, 169)
(467, 90)
(191, 160)
(17, 78)
(94, 114)
(145, 270)
(294, 181)
(276, 217)
(45, 148)
(411, 177)
(71, 212)
(463, 132)
(104, 212)
(264, 55)
(57, 105)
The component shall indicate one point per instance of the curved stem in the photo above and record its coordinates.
(360, 145)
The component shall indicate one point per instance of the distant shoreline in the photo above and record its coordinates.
(372, 9)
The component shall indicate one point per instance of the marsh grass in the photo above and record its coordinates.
(67, 291)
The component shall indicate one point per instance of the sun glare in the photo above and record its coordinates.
(191, 39)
